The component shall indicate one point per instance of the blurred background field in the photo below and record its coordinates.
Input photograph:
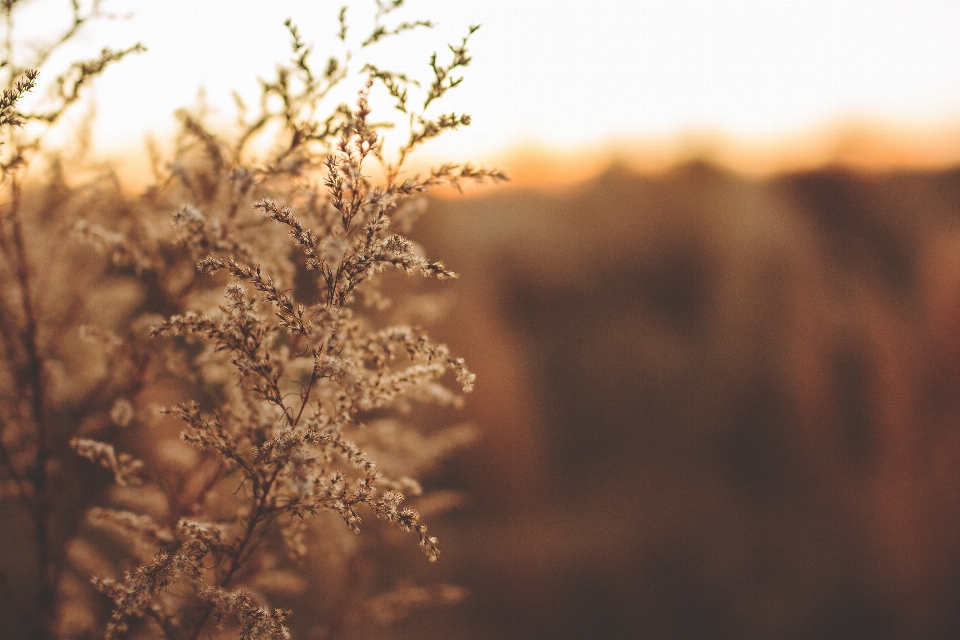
(713, 406)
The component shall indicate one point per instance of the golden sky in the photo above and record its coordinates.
(577, 77)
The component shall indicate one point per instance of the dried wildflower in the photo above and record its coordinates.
(253, 272)
(141, 526)
(122, 412)
(126, 469)
(122, 253)
(405, 598)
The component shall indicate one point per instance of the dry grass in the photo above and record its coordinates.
(244, 294)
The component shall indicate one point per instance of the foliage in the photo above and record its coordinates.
(258, 317)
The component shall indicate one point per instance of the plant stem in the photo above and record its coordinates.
(260, 513)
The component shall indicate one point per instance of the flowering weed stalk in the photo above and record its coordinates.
(258, 297)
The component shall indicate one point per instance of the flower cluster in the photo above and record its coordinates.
(248, 292)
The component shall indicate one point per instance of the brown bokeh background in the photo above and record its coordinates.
(711, 406)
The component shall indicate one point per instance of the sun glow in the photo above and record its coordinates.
(755, 85)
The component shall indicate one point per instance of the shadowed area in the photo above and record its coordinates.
(713, 407)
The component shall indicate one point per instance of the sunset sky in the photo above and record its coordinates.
(574, 76)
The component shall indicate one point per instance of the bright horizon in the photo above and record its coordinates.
(576, 79)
